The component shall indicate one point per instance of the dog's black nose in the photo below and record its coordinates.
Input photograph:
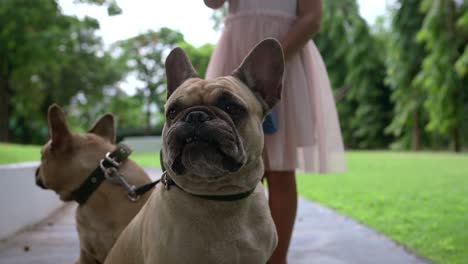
(197, 117)
(40, 183)
(38, 180)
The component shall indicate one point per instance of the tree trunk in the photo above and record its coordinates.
(148, 121)
(148, 113)
(456, 140)
(4, 109)
(415, 133)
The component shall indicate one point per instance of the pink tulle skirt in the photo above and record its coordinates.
(309, 137)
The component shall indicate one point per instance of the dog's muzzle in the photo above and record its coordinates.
(206, 142)
(38, 180)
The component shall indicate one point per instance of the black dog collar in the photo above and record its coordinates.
(89, 186)
(168, 182)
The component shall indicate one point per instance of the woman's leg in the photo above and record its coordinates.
(283, 205)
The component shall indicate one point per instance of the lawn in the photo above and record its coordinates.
(146, 159)
(12, 153)
(419, 200)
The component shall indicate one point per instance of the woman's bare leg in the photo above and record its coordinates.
(283, 205)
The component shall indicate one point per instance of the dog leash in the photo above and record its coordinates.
(108, 170)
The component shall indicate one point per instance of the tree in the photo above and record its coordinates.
(354, 59)
(444, 34)
(200, 57)
(23, 48)
(404, 62)
(112, 7)
(46, 57)
(127, 110)
(145, 57)
(218, 16)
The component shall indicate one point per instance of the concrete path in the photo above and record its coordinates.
(320, 236)
(52, 241)
(325, 237)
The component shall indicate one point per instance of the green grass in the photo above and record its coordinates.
(419, 200)
(146, 159)
(12, 153)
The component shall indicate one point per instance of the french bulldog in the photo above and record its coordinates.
(67, 160)
(212, 207)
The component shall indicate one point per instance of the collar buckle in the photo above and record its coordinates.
(111, 160)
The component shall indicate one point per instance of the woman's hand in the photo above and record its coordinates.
(309, 13)
(215, 4)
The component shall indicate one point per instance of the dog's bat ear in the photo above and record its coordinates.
(262, 71)
(178, 70)
(58, 129)
(104, 127)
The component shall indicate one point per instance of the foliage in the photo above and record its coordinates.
(23, 48)
(218, 16)
(444, 34)
(422, 54)
(354, 60)
(126, 110)
(200, 57)
(404, 62)
(48, 57)
(144, 56)
(112, 7)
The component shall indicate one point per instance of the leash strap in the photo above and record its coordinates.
(145, 188)
(112, 160)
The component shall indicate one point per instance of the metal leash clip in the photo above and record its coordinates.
(113, 175)
(166, 181)
(131, 194)
(109, 173)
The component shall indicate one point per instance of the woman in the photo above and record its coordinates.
(308, 137)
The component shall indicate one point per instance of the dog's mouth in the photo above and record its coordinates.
(205, 155)
(210, 150)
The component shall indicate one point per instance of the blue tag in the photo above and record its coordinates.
(271, 123)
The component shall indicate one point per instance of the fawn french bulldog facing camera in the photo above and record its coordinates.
(211, 207)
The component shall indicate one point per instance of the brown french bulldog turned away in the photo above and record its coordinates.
(67, 161)
(211, 207)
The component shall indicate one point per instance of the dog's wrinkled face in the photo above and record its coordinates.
(213, 137)
(67, 159)
(204, 128)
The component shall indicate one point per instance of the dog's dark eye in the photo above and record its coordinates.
(171, 114)
(233, 110)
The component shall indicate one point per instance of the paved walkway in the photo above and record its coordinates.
(320, 236)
